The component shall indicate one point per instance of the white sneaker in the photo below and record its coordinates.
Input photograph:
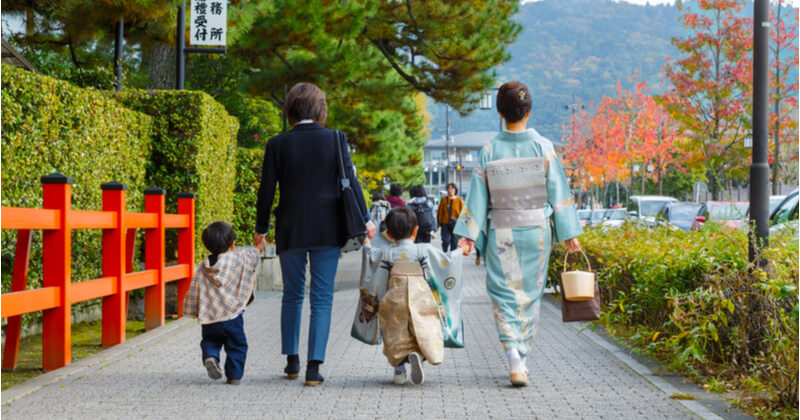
(415, 362)
(400, 377)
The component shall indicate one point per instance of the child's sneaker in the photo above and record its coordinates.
(212, 366)
(400, 375)
(415, 362)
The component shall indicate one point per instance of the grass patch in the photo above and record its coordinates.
(682, 396)
(86, 341)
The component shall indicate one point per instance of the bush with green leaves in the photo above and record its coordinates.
(694, 301)
(50, 126)
(248, 178)
(194, 150)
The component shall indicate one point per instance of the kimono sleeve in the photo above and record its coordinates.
(374, 277)
(472, 220)
(192, 300)
(566, 224)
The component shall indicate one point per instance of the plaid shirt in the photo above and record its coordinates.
(221, 291)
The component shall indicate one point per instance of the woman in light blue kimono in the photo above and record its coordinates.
(519, 204)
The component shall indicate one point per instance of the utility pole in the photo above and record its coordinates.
(574, 106)
(118, 53)
(447, 146)
(759, 170)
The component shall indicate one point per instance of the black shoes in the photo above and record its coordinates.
(292, 369)
(313, 377)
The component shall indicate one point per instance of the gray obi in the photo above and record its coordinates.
(518, 191)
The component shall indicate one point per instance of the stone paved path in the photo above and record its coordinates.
(159, 375)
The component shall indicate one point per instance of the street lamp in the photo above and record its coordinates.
(486, 103)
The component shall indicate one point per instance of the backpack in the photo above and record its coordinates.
(425, 216)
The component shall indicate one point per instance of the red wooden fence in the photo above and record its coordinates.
(57, 219)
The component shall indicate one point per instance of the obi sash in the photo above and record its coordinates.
(518, 191)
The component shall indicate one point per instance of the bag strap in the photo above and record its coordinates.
(584, 257)
(345, 181)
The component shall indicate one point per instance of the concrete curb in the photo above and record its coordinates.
(707, 405)
(98, 361)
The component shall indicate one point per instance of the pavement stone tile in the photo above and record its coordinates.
(571, 376)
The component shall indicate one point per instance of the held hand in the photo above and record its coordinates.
(370, 230)
(573, 245)
(466, 245)
(258, 240)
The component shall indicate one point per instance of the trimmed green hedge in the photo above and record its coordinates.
(692, 299)
(248, 178)
(53, 126)
(194, 149)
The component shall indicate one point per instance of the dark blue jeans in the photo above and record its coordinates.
(449, 240)
(324, 261)
(231, 335)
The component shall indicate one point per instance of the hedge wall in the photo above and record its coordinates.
(194, 149)
(53, 126)
(248, 178)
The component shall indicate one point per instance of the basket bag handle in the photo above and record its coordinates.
(584, 257)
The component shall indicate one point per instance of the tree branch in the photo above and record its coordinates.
(409, 78)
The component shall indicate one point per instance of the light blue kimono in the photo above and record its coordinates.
(519, 204)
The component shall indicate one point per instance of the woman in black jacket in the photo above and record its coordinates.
(307, 220)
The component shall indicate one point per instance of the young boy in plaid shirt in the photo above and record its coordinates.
(222, 286)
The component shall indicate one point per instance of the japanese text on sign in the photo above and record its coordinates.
(208, 22)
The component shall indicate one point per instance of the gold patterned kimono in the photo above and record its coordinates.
(411, 316)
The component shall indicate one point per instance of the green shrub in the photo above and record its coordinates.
(194, 149)
(692, 299)
(248, 178)
(53, 126)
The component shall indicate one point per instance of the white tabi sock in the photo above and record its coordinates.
(514, 361)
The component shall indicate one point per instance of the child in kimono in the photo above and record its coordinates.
(411, 320)
(222, 286)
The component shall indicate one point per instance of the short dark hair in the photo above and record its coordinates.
(378, 196)
(218, 237)
(305, 101)
(400, 223)
(453, 186)
(417, 191)
(396, 190)
(514, 101)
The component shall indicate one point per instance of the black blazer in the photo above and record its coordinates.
(302, 161)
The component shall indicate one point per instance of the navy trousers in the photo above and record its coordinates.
(324, 261)
(229, 334)
(449, 239)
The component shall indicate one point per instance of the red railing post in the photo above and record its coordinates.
(57, 272)
(185, 245)
(155, 249)
(18, 283)
(114, 265)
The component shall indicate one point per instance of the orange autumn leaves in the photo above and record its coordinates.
(623, 131)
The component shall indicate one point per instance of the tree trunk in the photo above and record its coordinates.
(159, 61)
(776, 135)
(714, 184)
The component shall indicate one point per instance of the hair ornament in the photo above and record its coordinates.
(522, 94)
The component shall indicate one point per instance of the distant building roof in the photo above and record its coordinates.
(12, 57)
(472, 139)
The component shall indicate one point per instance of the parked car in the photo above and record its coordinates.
(597, 216)
(728, 213)
(684, 216)
(785, 215)
(647, 207)
(615, 217)
(584, 216)
(774, 201)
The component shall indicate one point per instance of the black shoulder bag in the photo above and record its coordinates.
(352, 221)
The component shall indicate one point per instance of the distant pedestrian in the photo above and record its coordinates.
(379, 209)
(449, 210)
(304, 162)
(519, 204)
(423, 209)
(395, 191)
(222, 286)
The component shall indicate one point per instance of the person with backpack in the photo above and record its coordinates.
(449, 210)
(423, 209)
(413, 322)
(379, 209)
